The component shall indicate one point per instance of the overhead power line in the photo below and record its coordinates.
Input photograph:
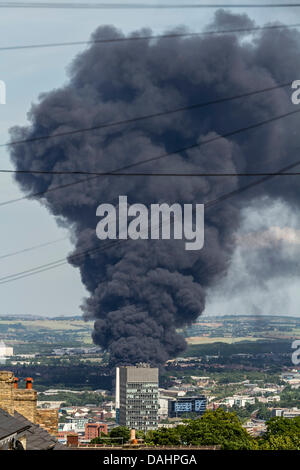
(141, 6)
(53, 264)
(149, 37)
(151, 174)
(35, 247)
(252, 184)
(283, 172)
(147, 116)
(113, 244)
(227, 195)
(205, 174)
(208, 204)
(117, 172)
(159, 157)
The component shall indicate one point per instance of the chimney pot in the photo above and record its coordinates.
(16, 382)
(29, 381)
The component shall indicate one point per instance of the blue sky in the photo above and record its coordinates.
(27, 73)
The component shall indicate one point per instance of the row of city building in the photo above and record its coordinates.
(139, 402)
(292, 378)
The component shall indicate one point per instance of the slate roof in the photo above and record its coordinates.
(38, 438)
(10, 425)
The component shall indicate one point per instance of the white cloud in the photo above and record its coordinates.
(269, 237)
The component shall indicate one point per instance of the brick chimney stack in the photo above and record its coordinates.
(7, 391)
(26, 401)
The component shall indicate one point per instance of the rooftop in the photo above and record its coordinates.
(10, 425)
(37, 438)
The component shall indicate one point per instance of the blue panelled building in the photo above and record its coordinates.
(185, 405)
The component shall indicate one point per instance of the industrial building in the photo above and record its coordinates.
(93, 430)
(5, 352)
(137, 396)
(187, 405)
(286, 412)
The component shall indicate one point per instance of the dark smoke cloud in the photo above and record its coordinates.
(142, 291)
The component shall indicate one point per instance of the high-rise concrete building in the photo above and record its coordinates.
(137, 396)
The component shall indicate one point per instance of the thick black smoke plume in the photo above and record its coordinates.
(142, 291)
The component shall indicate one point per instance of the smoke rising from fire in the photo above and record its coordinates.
(141, 291)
